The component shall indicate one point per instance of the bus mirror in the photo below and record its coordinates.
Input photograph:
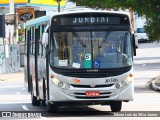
(134, 44)
(45, 39)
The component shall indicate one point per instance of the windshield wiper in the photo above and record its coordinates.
(78, 38)
(105, 37)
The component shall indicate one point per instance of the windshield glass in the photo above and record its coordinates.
(92, 49)
(140, 30)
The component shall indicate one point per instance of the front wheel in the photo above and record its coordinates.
(51, 107)
(116, 106)
(35, 101)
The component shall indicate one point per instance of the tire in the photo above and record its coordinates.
(51, 108)
(116, 106)
(35, 101)
(44, 94)
(29, 84)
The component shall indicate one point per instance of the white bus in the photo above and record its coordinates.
(80, 57)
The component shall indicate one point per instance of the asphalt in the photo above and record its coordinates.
(153, 84)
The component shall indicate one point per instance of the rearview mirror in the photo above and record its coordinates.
(45, 39)
(134, 44)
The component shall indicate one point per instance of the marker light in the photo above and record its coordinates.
(51, 76)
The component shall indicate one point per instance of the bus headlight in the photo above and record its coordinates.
(125, 82)
(60, 84)
(67, 86)
(57, 82)
(128, 80)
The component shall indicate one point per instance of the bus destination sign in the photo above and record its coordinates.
(90, 20)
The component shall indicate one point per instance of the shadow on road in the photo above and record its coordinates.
(78, 112)
(66, 111)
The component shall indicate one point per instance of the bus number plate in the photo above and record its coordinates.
(92, 94)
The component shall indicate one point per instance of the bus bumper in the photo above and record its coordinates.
(112, 94)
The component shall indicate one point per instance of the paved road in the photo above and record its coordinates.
(14, 97)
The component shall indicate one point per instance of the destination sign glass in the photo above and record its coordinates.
(90, 19)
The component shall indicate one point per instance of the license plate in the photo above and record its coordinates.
(92, 93)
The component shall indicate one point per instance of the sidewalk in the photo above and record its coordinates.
(12, 76)
(155, 84)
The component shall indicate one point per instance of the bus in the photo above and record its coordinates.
(80, 58)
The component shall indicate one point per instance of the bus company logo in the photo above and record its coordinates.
(75, 80)
(92, 85)
(6, 114)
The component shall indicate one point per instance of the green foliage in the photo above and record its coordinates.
(153, 29)
(20, 39)
(148, 8)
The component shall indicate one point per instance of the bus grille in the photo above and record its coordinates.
(88, 86)
(93, 75)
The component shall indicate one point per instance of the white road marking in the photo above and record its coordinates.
(44, 118)
(23, 88)
(24, 107)
(143, 64)
(18, 102)
(12, 86)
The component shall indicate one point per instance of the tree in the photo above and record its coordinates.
(149, 8)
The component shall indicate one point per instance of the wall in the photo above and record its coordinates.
(9, 58)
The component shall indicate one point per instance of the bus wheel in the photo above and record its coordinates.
(116, 106)
(44, 94)
(51, 107)
(35, 101)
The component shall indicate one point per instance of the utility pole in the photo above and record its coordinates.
(11, 6)
(59, 6)
(12, 11)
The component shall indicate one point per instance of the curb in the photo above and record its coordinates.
(154, 86)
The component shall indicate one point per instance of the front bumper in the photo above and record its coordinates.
(79, 94)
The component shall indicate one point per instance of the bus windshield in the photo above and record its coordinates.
(91, 49)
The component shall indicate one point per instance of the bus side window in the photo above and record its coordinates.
(43, 47)
(41, 29)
